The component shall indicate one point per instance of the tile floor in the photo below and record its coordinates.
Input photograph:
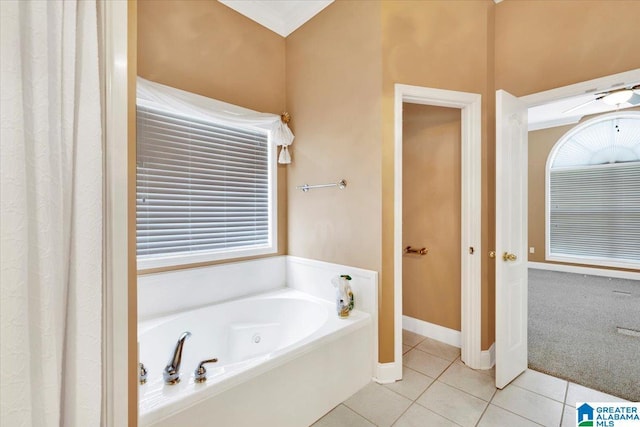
(437, 389)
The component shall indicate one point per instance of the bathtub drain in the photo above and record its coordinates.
(256, 338)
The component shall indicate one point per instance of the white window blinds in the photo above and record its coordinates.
(202, 187)
(595, 212)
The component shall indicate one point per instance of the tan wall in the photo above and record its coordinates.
(544, 44)
(431, 186)
(204, 47)
(446, 45)
(333, 94)
(541, 142)
(337, 67)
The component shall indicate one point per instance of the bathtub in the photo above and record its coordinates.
(284, 359)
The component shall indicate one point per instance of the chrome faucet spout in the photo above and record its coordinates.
(171, 373)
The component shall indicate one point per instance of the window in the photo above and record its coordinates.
(205, 190)
(593, 193)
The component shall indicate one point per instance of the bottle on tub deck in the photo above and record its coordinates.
(344, 295)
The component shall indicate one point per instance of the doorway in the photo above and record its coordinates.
(431, 221)
(564, 100)
(468, 105)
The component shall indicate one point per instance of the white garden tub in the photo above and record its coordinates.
(284, 359)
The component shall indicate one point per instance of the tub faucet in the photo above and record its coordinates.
(171, 373)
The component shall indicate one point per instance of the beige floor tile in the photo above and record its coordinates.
(378, 404)
(425, 363)
(529, 405)
(546, 385)
(491, 372)
(469, 380)
(439, 349)
(578, 393)
(405, 348)
(412, 385)
(342, 416)
(453, 404)
(418, 416)
(569, 417)
(411, 338)
(495, 416)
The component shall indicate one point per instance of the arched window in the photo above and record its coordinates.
(593, 193)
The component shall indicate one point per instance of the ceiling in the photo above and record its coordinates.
(280, 16)
(554, 114)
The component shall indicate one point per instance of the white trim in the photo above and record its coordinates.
(387, 373)
(115, 304)
(204, 256)
(470, 105)
(433, 331)
(488, 357)
(584, 270)
(553, 123)
(602, 262)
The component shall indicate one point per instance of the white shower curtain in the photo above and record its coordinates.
(51, 214)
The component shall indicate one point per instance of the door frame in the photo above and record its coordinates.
(118, 398)
(470, 106)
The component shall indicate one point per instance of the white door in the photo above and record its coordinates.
(511, 238)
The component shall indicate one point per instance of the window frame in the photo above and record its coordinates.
(182, 260)
(570, 258)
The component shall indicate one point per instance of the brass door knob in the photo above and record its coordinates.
(509, 257)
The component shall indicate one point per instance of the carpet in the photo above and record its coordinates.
(573, 321)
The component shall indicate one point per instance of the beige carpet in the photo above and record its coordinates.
(573, 321)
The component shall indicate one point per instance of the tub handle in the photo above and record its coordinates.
(200, 374)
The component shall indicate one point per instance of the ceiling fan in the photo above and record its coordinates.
(623, 95)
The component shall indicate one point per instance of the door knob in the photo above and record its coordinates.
(509, 257)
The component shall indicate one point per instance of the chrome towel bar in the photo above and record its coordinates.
(306, 187)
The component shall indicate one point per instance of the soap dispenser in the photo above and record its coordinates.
(344, 295)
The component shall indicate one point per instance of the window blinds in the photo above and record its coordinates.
(200, 186)
(595, 211)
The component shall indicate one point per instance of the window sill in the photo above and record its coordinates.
(181, 261)
(603, 262)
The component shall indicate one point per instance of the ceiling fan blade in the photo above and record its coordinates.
(635, 99)
(584, 104)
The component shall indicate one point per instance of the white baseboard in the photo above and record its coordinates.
(488, 357)
(431, 330)
(584, 270)
(387, 373)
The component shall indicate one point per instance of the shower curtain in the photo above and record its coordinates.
(51, 214)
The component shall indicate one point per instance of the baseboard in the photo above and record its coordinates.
(431, 330)
(387, 373)
(488, 357)
(584, 270)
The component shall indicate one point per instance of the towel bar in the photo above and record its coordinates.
(306, 187)
(421, 251)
